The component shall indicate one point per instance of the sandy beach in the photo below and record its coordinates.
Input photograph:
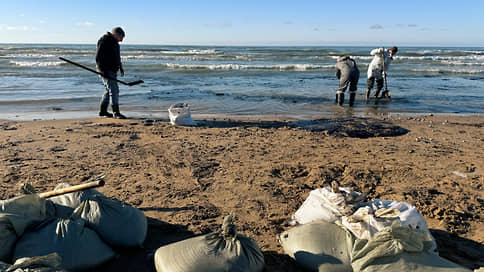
(186, 179)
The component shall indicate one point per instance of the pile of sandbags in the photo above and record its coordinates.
(219, 251)
(81, 227)
(335, 230)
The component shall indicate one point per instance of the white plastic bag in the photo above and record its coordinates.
(180, 115)
(368, 221)
(322, 204)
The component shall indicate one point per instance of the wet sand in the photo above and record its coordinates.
(186, 179)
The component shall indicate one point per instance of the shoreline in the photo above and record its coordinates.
(336, 112)
(186, 179)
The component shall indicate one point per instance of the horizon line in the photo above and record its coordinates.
(275, 44)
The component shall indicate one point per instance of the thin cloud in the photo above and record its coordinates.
(315, 29)
(18, 28)
(42, 22)
(406, 25)
(85, 24)
(377, 26)
(288, 22)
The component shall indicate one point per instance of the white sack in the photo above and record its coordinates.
(179, 114)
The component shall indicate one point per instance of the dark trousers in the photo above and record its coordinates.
(371, 81)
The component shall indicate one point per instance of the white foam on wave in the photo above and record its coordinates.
(193, 52)
(36, 63)
(232, 66)
(31, 55)
(447, 71)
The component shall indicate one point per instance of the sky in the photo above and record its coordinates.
(246, 22)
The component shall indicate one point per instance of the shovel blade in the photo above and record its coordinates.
(135, 82)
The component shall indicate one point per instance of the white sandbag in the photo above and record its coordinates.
(319, 246)
(322, 204)
(215, 252)
(399, 248)
(179, 114)
(79, 247)
(117, 223)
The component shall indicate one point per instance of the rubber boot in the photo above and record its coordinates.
(341, 98)
(103, 110)
(352, 99)
(367, 95)
(376, 94)
(116, 112)
(336, 100)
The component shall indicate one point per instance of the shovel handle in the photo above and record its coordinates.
(75, 188)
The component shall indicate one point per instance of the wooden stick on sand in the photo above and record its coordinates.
(97, 183)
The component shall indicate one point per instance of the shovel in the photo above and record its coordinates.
(386, 93)
(101, 74)
(96, 181)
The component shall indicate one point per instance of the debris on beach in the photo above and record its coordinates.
(335, 232)
(180, 115)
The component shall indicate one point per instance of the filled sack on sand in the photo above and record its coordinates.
(179, 114)
(377, 214)
(48, 263)
(16, 215)
(117, 223)
(72, 200)
(399, 248)
(326, 204)
(319, 246)
(78, 246)
(220, 251)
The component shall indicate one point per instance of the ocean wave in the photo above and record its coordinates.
(36, 63)
(446, 71)
(231, 66)
(30, 55)
(193, 52)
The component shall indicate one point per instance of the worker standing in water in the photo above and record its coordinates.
(376, 69)
(348, 74)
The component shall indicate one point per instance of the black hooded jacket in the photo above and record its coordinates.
(108, 58)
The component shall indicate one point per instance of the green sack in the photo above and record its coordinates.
(16, 215)
(78, 246)
(399, 248)
(319, 246)
(117, 223)
(215, 252)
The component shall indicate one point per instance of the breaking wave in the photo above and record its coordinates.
(36, 63)
(231, 66)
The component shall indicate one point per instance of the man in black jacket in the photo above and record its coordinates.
(108, 62)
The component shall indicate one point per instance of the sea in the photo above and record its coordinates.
(236, 81)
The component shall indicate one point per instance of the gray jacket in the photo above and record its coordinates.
(346, 69)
